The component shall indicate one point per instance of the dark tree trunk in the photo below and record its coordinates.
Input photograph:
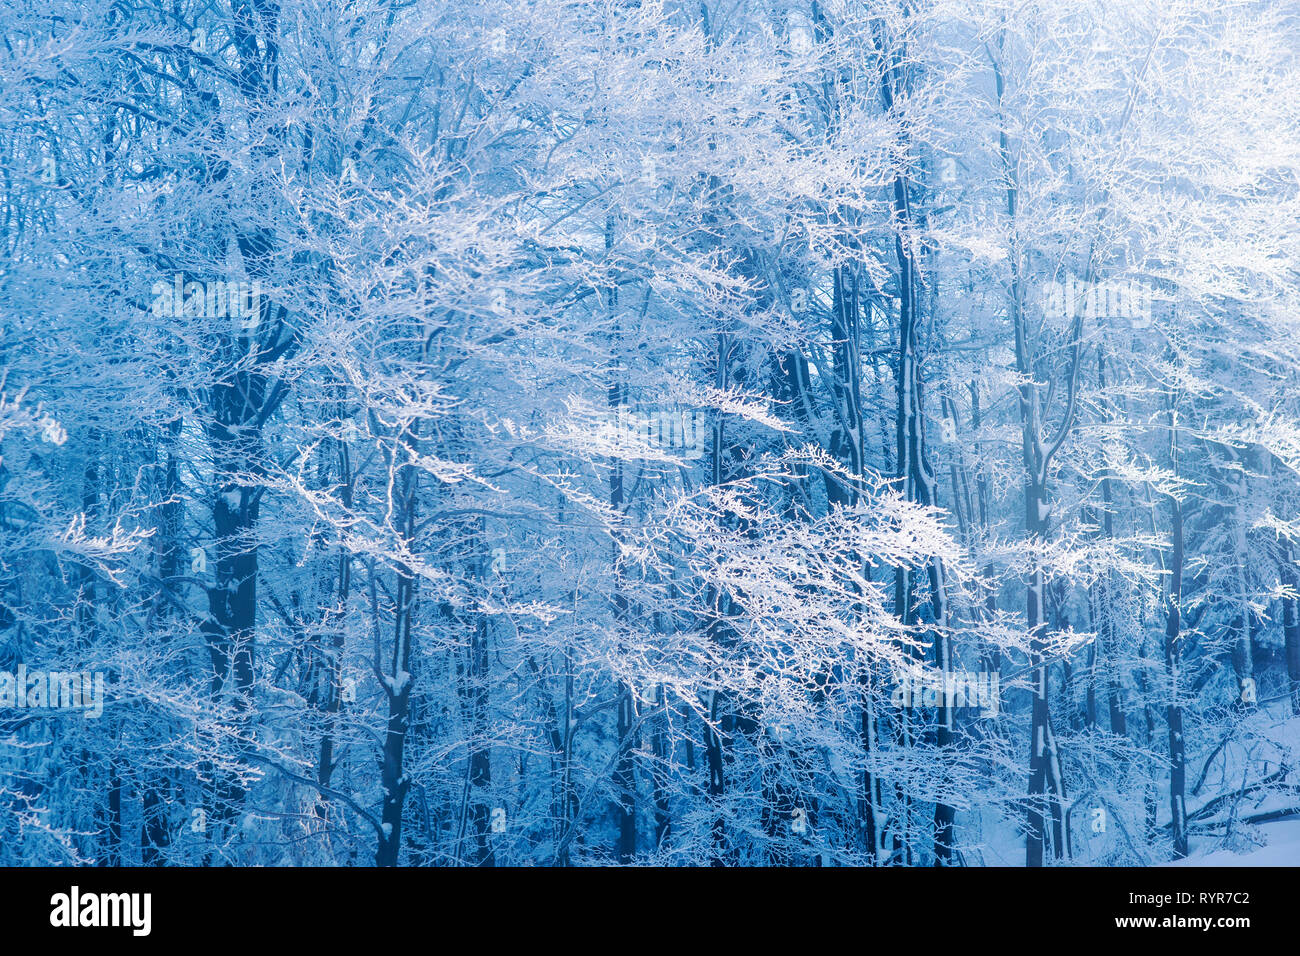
(396, 674)
(1291, 628)
(1173, 670)
(624, 767)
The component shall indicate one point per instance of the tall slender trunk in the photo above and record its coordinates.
(1173, 651)
(480, 757)
(240, 402)
(916, 478)
(720, 722)
(1104, 669)
(624, 768)
(332, 702)
(396, 672)
(1291, 626)
(1046, 786)
(232, 601)
(158, 789)
(1173, 671)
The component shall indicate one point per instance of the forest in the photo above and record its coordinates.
(749, 433)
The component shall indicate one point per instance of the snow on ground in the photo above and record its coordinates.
(1282, 849)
